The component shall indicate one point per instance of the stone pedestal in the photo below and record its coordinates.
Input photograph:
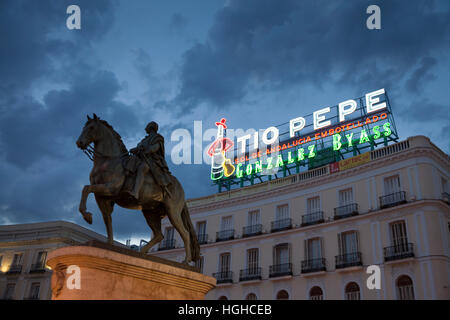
(112, 273)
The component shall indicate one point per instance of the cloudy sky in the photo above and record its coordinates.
(256, 62)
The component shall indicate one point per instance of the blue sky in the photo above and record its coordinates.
(257, 63)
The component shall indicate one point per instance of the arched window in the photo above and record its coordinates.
(316, 293)
(352, 291)
(222, 298)
(405, 289)
(251, 296)
(282, 295)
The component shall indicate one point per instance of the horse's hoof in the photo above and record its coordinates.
(88, 217)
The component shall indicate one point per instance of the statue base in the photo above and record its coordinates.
(106, 272)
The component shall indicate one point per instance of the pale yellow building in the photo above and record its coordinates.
(313, 235)
(23, 253)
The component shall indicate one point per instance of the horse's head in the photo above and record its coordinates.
(90, 133)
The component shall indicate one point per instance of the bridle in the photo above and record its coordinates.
(91, 153)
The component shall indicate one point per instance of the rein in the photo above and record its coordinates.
(90, 152)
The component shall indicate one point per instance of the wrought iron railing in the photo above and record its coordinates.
(314, 265)
(392, 199)
(15, 268)
(312, 218)
(346, 211)
(37, 267)
(223, 277)
(252, 230)
(279, 270)
(167, 244)
(400, 251)
(250, 274)
(279, 225)
(348, 260)
(225, 235)
(202, 238)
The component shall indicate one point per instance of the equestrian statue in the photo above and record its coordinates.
(139, 180)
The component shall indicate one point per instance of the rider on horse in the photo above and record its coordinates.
(149, 157)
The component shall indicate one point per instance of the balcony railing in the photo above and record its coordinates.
(224, 277)
(37, 267)
(252, 230)
(400, 251)
(32, 298)
(346, 211)
(202, 238)
(280, 225)
(348, 260)
(312, 218)
(14, 268)
(225, 235)
(279, 270)
(250, 274)
(167, 244)
(393, 199)
(314, 265)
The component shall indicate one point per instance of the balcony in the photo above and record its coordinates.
(37, 267)
(280, 270)
(223, 277)
(225, 235)
(312, 218)
(280, 225)
(202, 238)
(252, 230)
(346, 211)
(348, 260)
(167, 244)
(393, 199)
(400, 251)
(14, 269)
(31, 298)
(250, 274)
(314, 265)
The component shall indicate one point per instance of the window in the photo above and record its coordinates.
(313, 248)
(9, 293)
(227, 223)
(405, 289)
(444, 185)
(201, 227)
(251, 296)
(17, 260)
(169, 233)
(281, 254)
(224, 262)
(34, 290)
(399, 237)
(41, 258)
(282, 212)
(254, 218)
(253, 260)
(199, 264)
(1, 258)
(391, 185)
(315, 293)
(313, 205)
(222, 298)
(348, 242)
(282, 295)
(352, 291)
(345, 197)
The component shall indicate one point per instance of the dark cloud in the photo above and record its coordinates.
(291, 43)
(178, 22)
(421, 75)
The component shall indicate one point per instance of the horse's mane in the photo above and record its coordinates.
(115, 134)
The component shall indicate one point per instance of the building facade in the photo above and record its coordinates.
(320, 234)
(23, 253)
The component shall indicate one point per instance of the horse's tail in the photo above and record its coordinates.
(195, 247)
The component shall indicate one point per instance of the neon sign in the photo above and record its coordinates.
(326, 136)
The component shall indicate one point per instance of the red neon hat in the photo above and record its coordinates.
(222, 123)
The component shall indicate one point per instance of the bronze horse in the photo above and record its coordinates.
(108, 179)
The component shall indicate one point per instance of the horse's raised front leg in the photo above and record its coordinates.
(107, 189)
